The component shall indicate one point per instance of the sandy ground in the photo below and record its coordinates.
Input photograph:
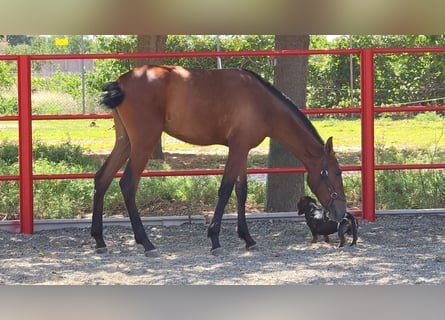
(396, 249)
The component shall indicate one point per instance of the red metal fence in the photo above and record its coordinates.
(367, 112)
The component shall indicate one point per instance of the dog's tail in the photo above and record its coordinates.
(113, 95)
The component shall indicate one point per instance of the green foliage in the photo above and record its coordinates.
(9, 154)
(8, 106)
(400, 79)
(7, 79)
(59, 81)
(256, 192)
(428, 116)
(47, 45)
(412, 189)
(60, 198)
(105, 71)
(65, 153)
(52, 198)
(109, 69)
(261, 65)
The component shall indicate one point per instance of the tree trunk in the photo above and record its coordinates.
(284, 190)
(152, 43)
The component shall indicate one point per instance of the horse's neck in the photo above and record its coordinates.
(298, 139)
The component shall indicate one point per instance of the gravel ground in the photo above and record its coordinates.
(396, 249)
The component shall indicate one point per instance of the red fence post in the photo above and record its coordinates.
(368, 160)
(25, 144)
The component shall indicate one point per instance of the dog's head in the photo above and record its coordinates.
(303, 204)
(308, 206)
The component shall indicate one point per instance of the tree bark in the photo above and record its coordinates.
(152, 43)
(290, 77)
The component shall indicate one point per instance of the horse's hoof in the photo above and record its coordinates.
(253, 247)
(154, 253)
(102, 250)
(217, 251)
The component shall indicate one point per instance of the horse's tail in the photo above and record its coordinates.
(113, 96)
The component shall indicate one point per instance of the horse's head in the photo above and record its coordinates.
(325, 180)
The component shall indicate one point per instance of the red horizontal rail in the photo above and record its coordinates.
(73, 116)
(205, 54)
(9, 118)
(9, 177)
(409, 109)
(109, 115)
(62, 117)
(408, 50)
(9, 57)
(305, 111)
(409, 166)
(174, 173)
(209, 172)
(220, 54)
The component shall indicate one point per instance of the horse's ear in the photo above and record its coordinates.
(328, 147)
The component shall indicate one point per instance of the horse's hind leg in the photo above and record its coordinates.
(103, 179)
(241, 195)
(129, 184)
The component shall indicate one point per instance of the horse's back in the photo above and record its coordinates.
(200, 106)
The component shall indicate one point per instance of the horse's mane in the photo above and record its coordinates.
(290, 104)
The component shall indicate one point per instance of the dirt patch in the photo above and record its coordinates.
(401, 249)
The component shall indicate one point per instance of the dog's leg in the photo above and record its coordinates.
(342, 229)
(354, 228)
(314, 238)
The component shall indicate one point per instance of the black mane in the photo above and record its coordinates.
(290, 104)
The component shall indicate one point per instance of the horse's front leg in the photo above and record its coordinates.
(97, 223)
(235, 167)
(241, 196)
(224, 192)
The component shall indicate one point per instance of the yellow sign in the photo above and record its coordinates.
(62, 41)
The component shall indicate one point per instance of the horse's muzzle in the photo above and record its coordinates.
(337, 210)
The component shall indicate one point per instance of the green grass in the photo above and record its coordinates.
(408, 133)
(422, 132)
(97, 139)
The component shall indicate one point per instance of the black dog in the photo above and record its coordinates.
(318, 221)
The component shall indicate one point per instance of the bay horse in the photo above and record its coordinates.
(231, 107)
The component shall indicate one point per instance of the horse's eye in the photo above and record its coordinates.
(338, 173)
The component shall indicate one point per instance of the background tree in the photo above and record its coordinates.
(284, 190)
